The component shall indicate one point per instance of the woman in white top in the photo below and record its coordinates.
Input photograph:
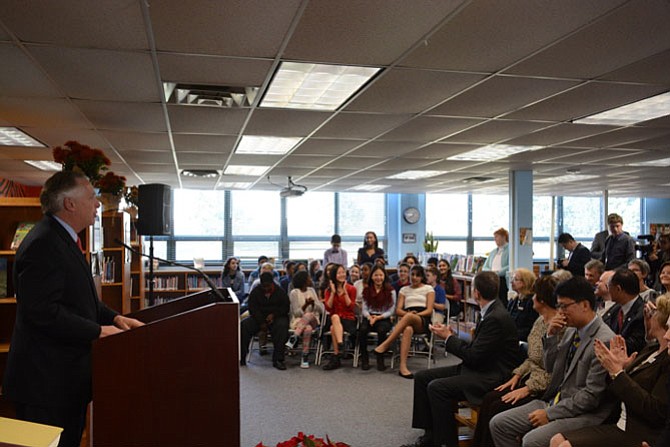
(414, 308)
(306, 313)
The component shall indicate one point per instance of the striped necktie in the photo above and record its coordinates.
(571, 354)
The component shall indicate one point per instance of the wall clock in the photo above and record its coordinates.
(411, 215)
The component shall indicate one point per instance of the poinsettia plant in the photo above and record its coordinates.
(74, 155)
(111, 183)
(132, 195)
(303, 440)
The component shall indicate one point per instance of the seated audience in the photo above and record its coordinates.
(440, 304)
(340, 301)
(530, 379)
(254, 275)
(579, 255)
(451, 287)
(604, 301)
(657, 258)
(403, 277)
(232, 277)
(336, 254)
(639, 383)
(410, 260)
(354, 274)
(306, 314)
(498, 262)
(574, 398)
(592, 271)
(379, 300)
(314, 267)
(521, 306)
(488, 361)
(324, 281)
(285, 281)
(627, 313)
(268, 311)
(432, 261)
(641, 269)
(562, 275)
(266, 267)
(362, 283)
(664, 277)
(414, 310)
(370, 250)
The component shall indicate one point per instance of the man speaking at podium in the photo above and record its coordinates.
(48, 374)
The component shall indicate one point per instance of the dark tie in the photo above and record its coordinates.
(79, 244)
(619, 320)
(571, 354)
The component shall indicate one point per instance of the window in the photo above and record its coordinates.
(629, 209)
(308, 249)
(582, 217)
(452, 247)
(312, 214)
(254, 249)
(255, 213)
(542, 216)
(447, 215)
(200, 213)
(488, 214)
(209, 250)
(361, 212)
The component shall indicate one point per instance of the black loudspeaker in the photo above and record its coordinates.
(155, 210)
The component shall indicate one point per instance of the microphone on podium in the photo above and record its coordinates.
(204, 276)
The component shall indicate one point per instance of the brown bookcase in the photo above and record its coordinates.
(116, 261)
(137, 283)
(175, 282)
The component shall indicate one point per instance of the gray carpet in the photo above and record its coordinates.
(361, 408)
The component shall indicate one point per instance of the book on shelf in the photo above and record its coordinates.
(22, 230)
(29, 434)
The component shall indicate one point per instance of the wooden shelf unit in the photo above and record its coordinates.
(137, 281)
(175, 282)
(116, 283)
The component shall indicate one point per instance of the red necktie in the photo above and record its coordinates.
(619, 319)
(80, 245)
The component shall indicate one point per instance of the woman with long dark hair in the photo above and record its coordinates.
(306, 314)
(340, 301)
(451, 287)
(415, 309)
(378, 307)
(370, 250)
(232, 277)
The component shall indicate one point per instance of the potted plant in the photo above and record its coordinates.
(430, 244)
(75, 156)
(110, 188)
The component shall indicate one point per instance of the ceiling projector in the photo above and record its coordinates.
(292, 190)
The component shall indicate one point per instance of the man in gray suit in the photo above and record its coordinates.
(575, 397)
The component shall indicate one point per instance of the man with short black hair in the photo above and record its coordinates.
(628, 321)
(488, 360)
(619, 247)
(268, 309)
(576, 395)
(579, 255)
(335, 254)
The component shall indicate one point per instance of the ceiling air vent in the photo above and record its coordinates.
(477, 179)
(209, 95)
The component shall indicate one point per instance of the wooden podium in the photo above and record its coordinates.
(173, 382)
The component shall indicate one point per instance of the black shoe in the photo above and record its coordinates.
(279, 364)
(333, 363)
(422, 441)
(365, 362)
(243, 361)
(406, 376)
(380, 362)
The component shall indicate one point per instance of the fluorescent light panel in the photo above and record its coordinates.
(493, 152)
(565, 179)
(245, 170)
(368, 188)
(234, 185)
(11, 136)
(415, 175)
(662, 163)
(44, 165)
(250, 144)
(643, 110)
(315, 86)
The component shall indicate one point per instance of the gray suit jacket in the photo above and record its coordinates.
(583, 384)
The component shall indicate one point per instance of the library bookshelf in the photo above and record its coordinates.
(175, 282)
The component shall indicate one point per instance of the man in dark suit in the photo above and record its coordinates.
(619, 246)
(626, 316)
(598, 244)
(48, 375)
(488, 360)
(579, 255)
(574, 398)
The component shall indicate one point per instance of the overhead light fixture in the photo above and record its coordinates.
(493, 152)
(565, 179)
(44, 165)
(415, 175)
(315, 86)
(477, 180)
(234, 185)
(12, 136)
(202, 173)
(245, 170)
(573, 170)
(209, 95)
(662, 163)
(643, 110)
(251, 144)
(370, 187)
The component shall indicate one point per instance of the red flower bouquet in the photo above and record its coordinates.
(79, 156)
(303, 440)
(111, 183)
